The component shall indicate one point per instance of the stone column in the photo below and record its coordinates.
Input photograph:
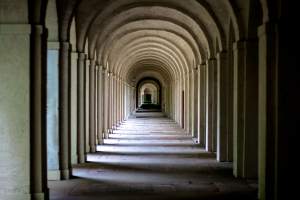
(87, 105)
(222, 110)
(105, 103)
(251, 112)
(215, 108)
(100, 105)
(64, 111)
(238, 107)
(38, 170)
(121, 101)
(96, 104)
(115, 102)
(73, 107)
(195, 92)
(191, 102)
(201, 104)
(53, 172)
(187, 102)
(209, 102)
(92, 107)
(267, 112)
(110, 104)
(177, 100)
(80, 109)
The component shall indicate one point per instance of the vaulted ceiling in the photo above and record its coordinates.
(164, 39)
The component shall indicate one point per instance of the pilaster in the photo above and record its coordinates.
(64, 111)
(202, 104)
(80, 109)
(222, 107)
(238, 107)
(92, 133)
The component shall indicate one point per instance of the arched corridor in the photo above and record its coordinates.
(150, 157)
(75, 73)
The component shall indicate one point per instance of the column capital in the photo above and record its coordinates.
(222, 55)
(92, 62)
(81, 56)
(104, 71)
(239, 45)
(267, 28)
(65, 45)
(211, 62)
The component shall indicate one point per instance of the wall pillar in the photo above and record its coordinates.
(73, 107)
(87, 105)
(195, 92)
(267, 112)
(115, 102)
(64, 111)
(201, 104)
(209, 103)
(92, 134)
(38, 170)
(100, 105)
(238, 107)
(105, 103)
(215, 108)
(110, 102)
(80, 109)
(222, 110)
(250, 151)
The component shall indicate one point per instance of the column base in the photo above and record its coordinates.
(65, 174)
(53, 175)
(105, 135)
(82, 158)
(100, 142)
(40, 196)
(92, 149)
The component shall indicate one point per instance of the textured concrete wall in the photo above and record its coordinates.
(52, 110)
(14, 114)
(14, 11)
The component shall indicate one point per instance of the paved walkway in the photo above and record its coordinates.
(150, 157)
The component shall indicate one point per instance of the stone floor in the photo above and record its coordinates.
(150, 157)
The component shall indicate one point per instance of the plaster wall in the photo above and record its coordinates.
(52, 110)
(13, 11)
(15, 111)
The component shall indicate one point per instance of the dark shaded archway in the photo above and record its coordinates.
(144, 80)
